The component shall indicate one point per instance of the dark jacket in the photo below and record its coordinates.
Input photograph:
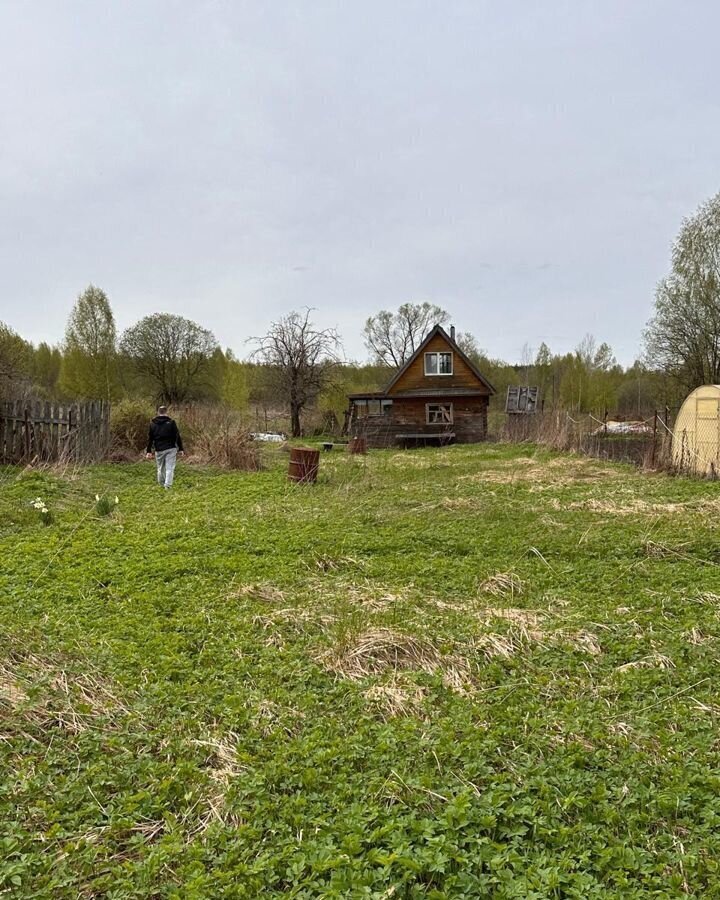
(164, 435)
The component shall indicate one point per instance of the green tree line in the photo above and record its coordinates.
(171, 359)
(298, 370)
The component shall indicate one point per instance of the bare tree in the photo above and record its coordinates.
(527, 357)
(174, 354)
(392, 338)
(302, 359)
(683, 337)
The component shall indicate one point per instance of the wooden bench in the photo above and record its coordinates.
(441, 437)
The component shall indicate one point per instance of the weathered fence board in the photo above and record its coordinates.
(32, 430)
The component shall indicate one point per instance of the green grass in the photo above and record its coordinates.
(246, 688)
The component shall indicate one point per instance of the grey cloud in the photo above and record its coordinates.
(231, 161)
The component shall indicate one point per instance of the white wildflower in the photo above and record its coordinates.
(97, 498)
(117, 500)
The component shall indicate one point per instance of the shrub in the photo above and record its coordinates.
(215, 435)
(129, 421)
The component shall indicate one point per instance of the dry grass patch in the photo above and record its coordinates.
(298, 616)
(45, 695)
(696, 637)
(651, 661)
(638, 506)
(222, 768)
(656, 550)
(462, 503)
(494, 645)
(269, 716)
(633, 507)
(377, 651)
(411, 460)
(502, 584)
(366, 595)
(397, 697)
(327, 563)
(263, 591)
(582, 640)
(543, 475)
(524, 634)
(528, 618)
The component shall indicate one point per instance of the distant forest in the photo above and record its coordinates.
(298, 370)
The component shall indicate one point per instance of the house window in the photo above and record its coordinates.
(372, 407)
(439, 413)
(438, 363)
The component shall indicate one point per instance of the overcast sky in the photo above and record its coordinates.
(525, 164)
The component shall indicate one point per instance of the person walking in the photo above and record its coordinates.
(164, 438)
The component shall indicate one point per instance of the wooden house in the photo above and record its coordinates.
(438, 396)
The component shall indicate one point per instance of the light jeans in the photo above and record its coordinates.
(165, 461)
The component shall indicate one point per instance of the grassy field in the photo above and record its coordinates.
(468, 672)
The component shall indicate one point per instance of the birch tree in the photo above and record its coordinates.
(683, 337)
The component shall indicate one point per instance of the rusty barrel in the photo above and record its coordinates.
(304, 465)
(357, 445)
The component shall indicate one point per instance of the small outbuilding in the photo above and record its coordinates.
(437, 397)
(696, 434)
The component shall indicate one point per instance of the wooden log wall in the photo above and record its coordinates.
(47, 432)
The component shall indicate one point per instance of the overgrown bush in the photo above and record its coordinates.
(129, 422)
(215, 435)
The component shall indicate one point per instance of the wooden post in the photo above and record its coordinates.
(27, 434)
(70, 437)
(605, 418)
(655, 424)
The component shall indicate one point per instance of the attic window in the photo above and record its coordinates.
(438, 363)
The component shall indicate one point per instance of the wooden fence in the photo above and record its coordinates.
(46, 432)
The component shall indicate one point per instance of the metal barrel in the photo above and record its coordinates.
(304, 465)
(357, 445)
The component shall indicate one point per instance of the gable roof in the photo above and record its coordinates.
(438, 330)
